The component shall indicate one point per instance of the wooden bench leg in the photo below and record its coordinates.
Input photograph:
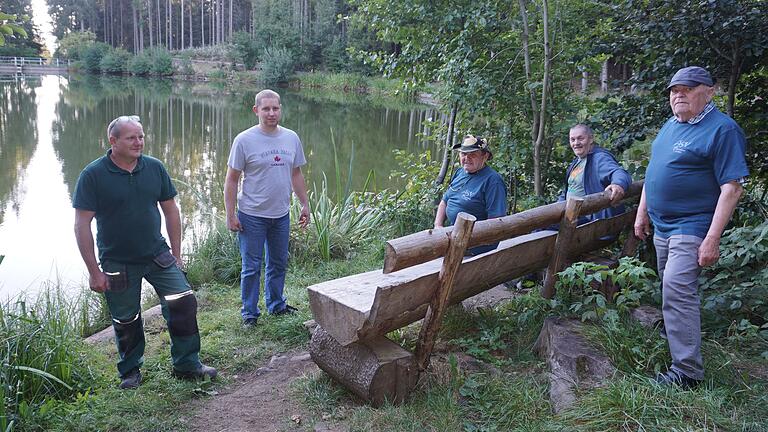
(462, 231)
(377, 370)
(562, 245)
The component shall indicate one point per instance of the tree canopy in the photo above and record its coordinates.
(18, 36)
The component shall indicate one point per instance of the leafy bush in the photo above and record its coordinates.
(162, 63)
(140, 64)
(92, 55)
(115, 61)
(244, 49)
(71, 46)
(412, 209)
(734, 289)
(583, 287)
(277, 65)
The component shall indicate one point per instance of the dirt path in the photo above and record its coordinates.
(257, 401)
(260, 400)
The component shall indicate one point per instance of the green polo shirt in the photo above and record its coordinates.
(127, 215)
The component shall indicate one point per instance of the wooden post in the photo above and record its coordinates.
(630, 244)
(562, 245)
(462, 231)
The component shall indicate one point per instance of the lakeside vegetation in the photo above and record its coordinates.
(72, 386)
(510, 72)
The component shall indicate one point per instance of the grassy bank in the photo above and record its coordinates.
(97, 404)
(506, 388)
(484, 375)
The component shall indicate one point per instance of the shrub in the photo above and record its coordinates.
(734, 289)
(92, 55)
(277, 65)
(162, 63)
(412, 209)
(115, 61)
(337, 228)
(244, 49)
(140, 64)
(71, 46)
(596, 292)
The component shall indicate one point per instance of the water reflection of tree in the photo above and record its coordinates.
(189, 133)
(190, 127)
(18, 139)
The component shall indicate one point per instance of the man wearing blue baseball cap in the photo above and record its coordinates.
(692, 186)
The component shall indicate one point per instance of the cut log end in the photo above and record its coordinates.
(377, 370)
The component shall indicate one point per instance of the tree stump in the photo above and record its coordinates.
(573, 363)
(377, 370)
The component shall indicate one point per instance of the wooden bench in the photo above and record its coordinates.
(354, 313)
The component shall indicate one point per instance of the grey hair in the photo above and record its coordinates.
(266, 94)
(586, 129)
(116, 125)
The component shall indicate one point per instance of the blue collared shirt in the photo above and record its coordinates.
(699, 117)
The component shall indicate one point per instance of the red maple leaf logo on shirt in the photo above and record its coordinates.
(277, 158)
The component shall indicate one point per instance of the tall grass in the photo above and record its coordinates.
(338, 227)
(41, 354)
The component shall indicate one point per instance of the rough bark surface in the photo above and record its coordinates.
(573, 362)
(377, 370)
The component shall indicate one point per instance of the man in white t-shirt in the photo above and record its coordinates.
(269, 157)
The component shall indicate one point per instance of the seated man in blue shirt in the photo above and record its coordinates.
(475, 188)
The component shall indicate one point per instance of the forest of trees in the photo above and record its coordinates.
(515, 71)
(314, 31)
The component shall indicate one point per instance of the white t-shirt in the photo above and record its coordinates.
(267, 161)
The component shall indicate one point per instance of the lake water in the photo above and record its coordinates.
(52, 126)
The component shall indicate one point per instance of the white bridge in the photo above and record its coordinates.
(33, 65)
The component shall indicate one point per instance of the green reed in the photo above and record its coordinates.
(41, 353)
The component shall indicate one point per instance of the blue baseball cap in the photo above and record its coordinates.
(691, 76)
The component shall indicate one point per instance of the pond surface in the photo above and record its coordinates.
(52, 126)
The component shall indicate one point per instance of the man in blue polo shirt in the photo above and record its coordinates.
(692, 186)
(475, 189)
(122, 191)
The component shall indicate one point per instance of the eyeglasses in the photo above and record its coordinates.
(122, 119)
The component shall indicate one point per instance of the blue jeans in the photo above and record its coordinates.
(260, 234)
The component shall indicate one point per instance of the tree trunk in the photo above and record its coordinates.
(151, 23)
(538, 184)
(135, 28)
(159, 24)
(181, 16)
(536, 115)
(141, 30)
(169, 26)
(733, 79)
(448, 144)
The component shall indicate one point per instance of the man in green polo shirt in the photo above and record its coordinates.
(122, 191)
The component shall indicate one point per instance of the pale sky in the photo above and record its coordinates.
(43, 22)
